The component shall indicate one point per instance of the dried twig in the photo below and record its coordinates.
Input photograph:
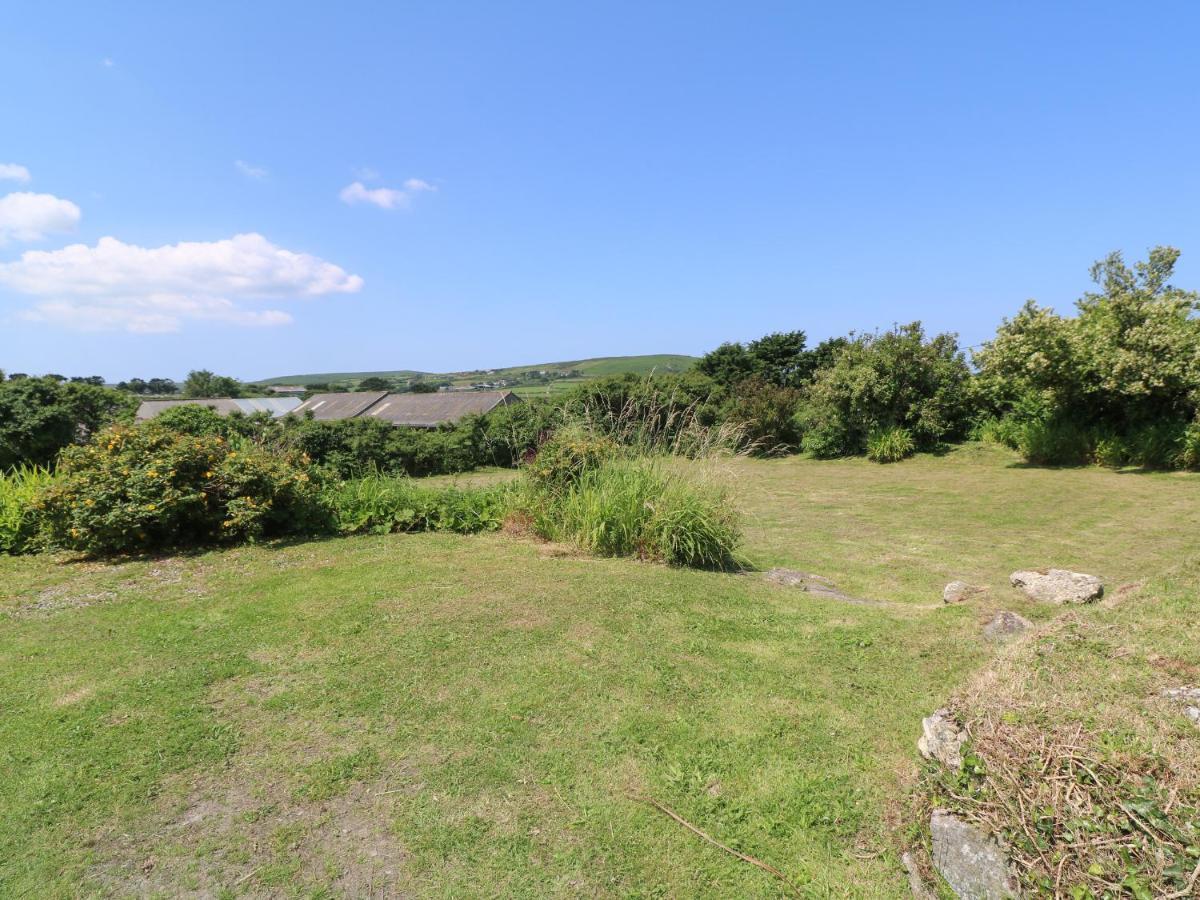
(744, 857)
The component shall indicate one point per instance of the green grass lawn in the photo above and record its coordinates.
(446, 716)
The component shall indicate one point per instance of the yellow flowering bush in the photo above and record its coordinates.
(144, 488)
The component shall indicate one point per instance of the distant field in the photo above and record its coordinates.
(587, 368)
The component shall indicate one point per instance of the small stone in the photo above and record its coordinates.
(972, 862)
(811, 584)
(1058, 585)
(1004, 625)
(960, 592)
(1189, 699)
(942, 739)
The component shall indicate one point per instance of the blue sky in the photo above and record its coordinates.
(450, 185)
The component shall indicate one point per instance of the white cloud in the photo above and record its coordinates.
(25, 216)
(13, 172)
(115, 285)
(107, 62)
(384, 198)
(250, 171)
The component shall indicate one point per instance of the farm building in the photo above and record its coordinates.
(412, 410)
(223, 406)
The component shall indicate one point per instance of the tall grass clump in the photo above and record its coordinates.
(18, 516)
(888, 445)
(637, 507)
(383, 504)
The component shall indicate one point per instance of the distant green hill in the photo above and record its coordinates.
(530, 379)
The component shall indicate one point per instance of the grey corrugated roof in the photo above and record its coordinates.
(222, 406)
(429, 410)
(339, 406)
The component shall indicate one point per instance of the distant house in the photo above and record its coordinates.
(222, 406)
(285, 389)
(412, 410)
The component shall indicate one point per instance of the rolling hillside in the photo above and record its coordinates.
(532, 378)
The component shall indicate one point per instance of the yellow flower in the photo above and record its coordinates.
(208, 474)
(152, 474)
(232, 454)
(149, 506)
(89, 502)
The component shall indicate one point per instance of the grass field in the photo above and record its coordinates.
(442, 716)
(588, 368)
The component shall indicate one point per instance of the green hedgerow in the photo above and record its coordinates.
(383, 504)
(563, 459)
(18, 518)
(149, 488)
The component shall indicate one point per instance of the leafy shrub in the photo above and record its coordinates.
(895, 379)
(382, 504)
(767, 414)
(40, 416)
(564, 458)
(1113, 450)
(1056, 443)
(148, 488)
(1188, 456)
(636, 508)
(1006, 432)
(18, 517)
(1157, 446)
(887, 445)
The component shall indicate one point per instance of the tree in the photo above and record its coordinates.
(96, 380)
(423, 387)
(780, 359)
(1130, 358)
(201, 383)
(727, 365)
(374, 383)
(162, 386)
(40, 416)
(897, 379)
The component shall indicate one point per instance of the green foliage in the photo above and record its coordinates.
(1117, 382)
(637, 508)
(203, 383)
(148, 488)
(779, 359)
(887, 445)
(1188, 456)
(374, 383)
(895, 379)
(767, 414)
(382, 504)
(18, 518)
(567, 456)
(40, 416)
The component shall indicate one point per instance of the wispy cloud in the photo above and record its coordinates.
(107, 62)
(13, 172)
(383, 197)
(26, 216)
(115, 285)
(250, 171)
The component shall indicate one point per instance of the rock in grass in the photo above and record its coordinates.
(812, 584)
(942, 739)
(960, 592)
(973, 864)
(1189, 698)
(1058, 585)
(1004, 625)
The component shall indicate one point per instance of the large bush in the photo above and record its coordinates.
(149, 488)
(1118, 383)
(898, 379)
(40, 416)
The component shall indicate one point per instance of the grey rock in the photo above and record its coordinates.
(811, 584)
(1189, 699)
(1004, 625)
(915, 884)
(942, 739)
(960, 592)
(1058, 585)
(974, 865)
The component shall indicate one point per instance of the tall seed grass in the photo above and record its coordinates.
(639, 507)
(18, 518)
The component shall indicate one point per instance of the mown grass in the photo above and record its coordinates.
(444, 715)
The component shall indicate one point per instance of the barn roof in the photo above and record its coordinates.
(430, 410)
(222, 406)
(339, 406)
